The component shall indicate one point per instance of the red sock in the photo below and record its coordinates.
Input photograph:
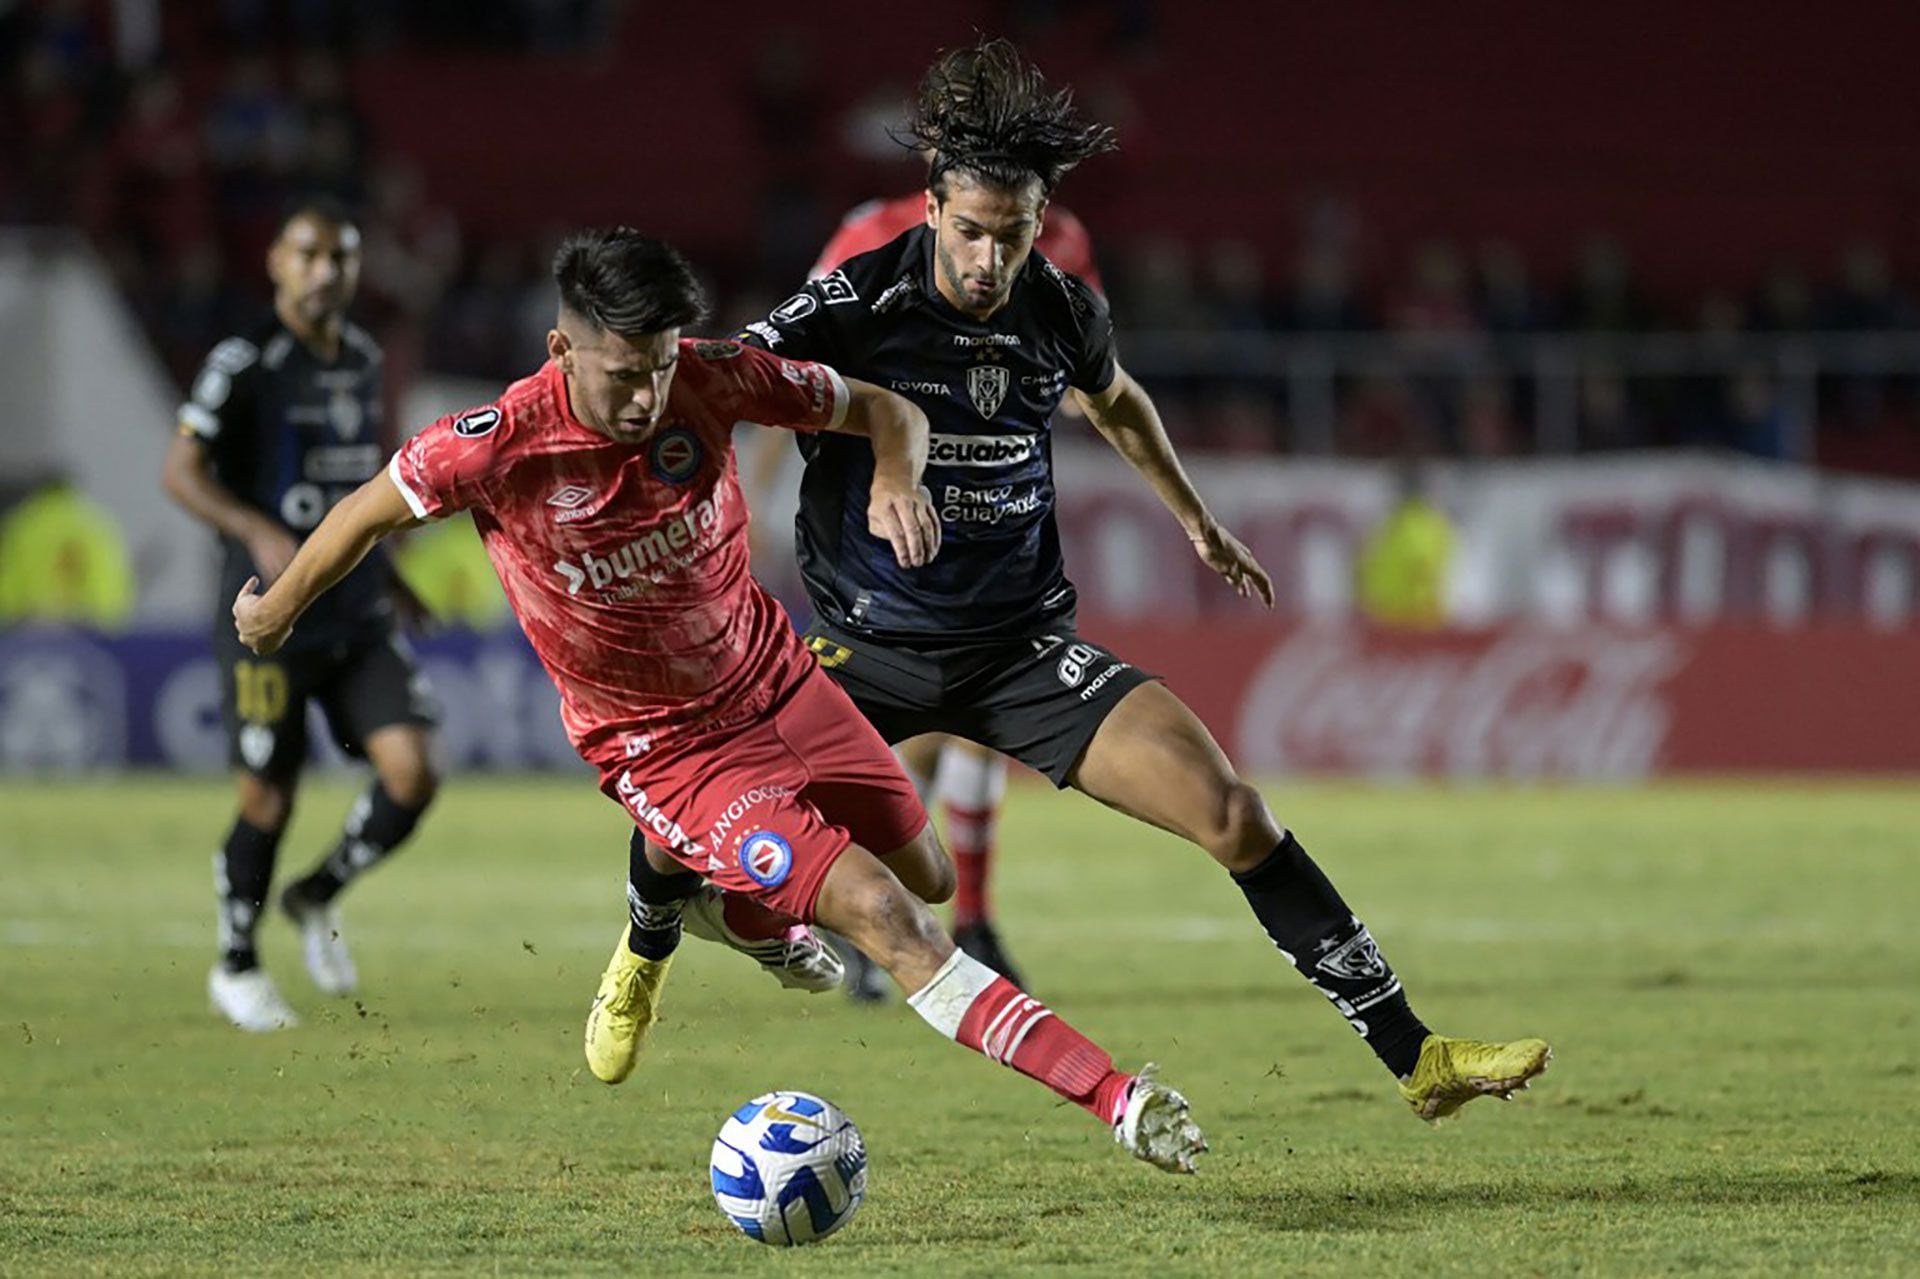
(972, 1004)
(970, 840)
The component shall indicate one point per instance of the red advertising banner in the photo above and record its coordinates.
(1526, 702)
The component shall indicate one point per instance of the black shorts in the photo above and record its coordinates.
(1039, 699)
(361, 685)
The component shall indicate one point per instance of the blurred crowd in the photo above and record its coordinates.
(1452, 367)
(175, 169)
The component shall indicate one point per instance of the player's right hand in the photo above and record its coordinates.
(272, 548)
(905, 518)
(255, 626)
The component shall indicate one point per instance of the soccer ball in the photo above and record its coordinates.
(788, 1168)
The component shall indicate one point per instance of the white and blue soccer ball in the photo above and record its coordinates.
(789, 1168)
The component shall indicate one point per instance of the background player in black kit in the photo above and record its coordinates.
(281, 423)
(961, 316)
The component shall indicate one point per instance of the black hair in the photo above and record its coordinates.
(623, 282)
(987, 112)
(317, 205)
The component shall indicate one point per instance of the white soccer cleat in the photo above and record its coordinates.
(328, 962)
(249, 1000)
(798, 958)
(1156, 1127)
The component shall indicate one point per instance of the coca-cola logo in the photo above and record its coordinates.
(1520, 704)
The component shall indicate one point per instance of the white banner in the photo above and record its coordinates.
(1634, 539)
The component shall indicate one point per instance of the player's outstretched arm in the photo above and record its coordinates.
(899, 508)
(330, 552)
(1125, 415)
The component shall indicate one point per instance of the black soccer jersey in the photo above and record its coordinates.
(292, 434)
(989, 390)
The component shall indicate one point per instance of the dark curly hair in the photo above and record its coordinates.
(623, 282)
(988, 113)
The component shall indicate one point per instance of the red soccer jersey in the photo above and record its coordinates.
(627, 563)
(1063, 239)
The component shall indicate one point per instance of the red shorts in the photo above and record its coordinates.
(765, 808)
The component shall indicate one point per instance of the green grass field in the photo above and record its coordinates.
(1730, 977)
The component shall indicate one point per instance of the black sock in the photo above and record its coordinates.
(242, 869)
(375, 826)
(1313, 928)
(654, 901)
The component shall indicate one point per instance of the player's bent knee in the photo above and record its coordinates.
(932, 884)
(265, 805)
(934, 879)
(1243, 830)
(412, 785)
(945, 882)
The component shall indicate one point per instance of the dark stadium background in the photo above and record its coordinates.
(1629, 292)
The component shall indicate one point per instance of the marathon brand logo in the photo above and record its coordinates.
(650, 819)
(663, 548)
(1100, 681)
(730, 815)
(986, 339)
(982, 450)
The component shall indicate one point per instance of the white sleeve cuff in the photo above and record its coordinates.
(199, 421)
(841, 397)
(414, 503)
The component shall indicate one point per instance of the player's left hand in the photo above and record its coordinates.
(1228, 556)
(905, 518)
(256, 628)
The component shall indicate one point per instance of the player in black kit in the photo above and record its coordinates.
(280, 424)
(961, 316)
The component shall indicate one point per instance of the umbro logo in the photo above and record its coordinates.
(570, 499)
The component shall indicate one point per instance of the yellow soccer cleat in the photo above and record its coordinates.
(623, 1011)
(1452, 1072)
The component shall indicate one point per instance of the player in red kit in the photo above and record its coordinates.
(605, 491)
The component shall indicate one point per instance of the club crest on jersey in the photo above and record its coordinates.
(716, 350)
(766, 858)
(478, 422)
(987, 384)
(344, 414)
(676, 455)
